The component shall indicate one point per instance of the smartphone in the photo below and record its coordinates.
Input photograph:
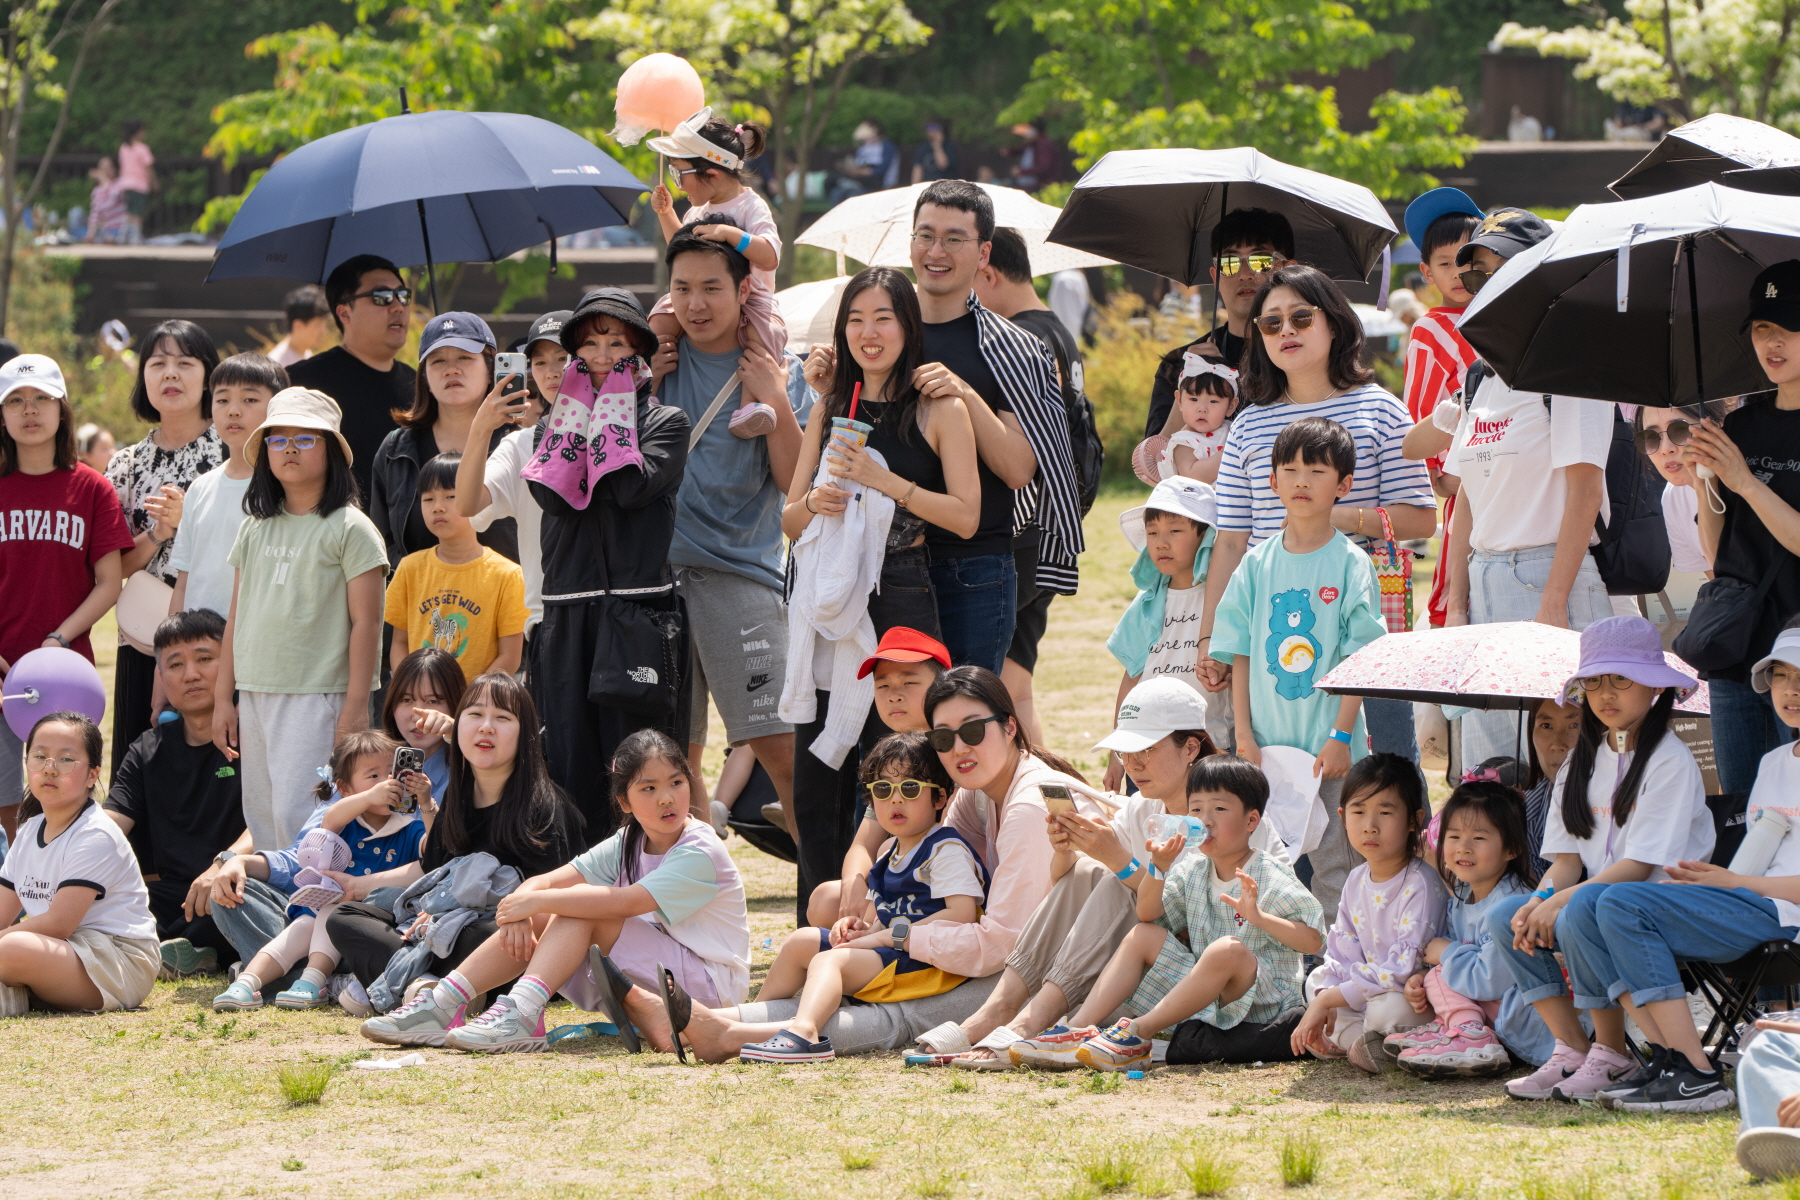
(1057, 798)
(515, 364)
(407, 758)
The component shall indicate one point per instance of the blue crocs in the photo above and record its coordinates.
(786, 1047)
(237, 998)
(303, 994)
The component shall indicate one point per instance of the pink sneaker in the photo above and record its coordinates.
(1403, 1040)
(1602, 1068)
(1469, 1050)
(1541, 1084)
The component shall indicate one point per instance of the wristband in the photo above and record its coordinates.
(743, 243)
(1157, 872)
(1127, 871)
(1545, 892)
(1338, 735)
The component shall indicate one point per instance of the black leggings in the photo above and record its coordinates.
(365, 936)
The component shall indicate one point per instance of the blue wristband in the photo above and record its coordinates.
(743, 243)
(1338, 735)
(1157, 872)
(1545, 892)
(1127, 871)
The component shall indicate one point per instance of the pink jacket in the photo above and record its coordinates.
(1015, 847)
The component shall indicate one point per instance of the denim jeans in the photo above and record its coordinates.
(1538, 975)
(253, 924)
(1647, 928)
(1390, 726)
(1744, 729)
(1509, 587)
(977, 599)
(1768, 1074)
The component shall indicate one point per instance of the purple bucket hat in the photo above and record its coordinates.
(1627, 646)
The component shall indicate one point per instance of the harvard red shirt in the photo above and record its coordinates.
(53, 529)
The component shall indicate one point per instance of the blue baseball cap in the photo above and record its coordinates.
(1432, 205)
(462, 330)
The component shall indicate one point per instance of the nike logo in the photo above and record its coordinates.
(752, 629)
(757, 683)
(1685, 1090)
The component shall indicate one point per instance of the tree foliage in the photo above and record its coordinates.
(1689, 57)
(1213, 73)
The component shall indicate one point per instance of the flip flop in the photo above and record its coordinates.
(613, 988)
(678, 1004)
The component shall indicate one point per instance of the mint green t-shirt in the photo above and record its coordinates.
(1294, 617)
(293, 610)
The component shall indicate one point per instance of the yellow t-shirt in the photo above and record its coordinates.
(462, 610)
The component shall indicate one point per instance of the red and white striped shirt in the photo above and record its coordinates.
(1436, 359)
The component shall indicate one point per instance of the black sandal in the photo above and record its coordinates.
(678, 1004)
(613, 988)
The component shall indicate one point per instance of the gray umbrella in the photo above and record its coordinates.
(1705, 151)
(1638, 301)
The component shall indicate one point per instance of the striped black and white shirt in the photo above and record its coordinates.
(1027, 376)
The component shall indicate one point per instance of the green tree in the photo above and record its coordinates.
(1211, 73)
(1687, 57)
(789, 58)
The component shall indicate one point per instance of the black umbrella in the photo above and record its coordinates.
(1707, 151)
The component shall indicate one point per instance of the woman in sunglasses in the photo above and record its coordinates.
(999, 809)
(1661, 433)
(1304, 359)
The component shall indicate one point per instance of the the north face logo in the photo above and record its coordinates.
(642, 674)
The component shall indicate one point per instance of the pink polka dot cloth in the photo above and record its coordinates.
(591, 432)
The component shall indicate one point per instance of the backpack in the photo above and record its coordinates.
(1084, 440)
(1633, 554)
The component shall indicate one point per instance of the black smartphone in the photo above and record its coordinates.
(406, 758)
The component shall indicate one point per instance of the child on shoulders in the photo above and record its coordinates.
(1206, 396)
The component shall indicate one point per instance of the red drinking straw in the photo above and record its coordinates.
(854, 393)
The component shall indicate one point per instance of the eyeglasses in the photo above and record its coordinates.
(909, 789)
(972, 732)
(19, 402)
(300, 441)
(1679, 433)
(1617, 683)
(952, 245)
(1231, 264)
(1472, 279)
(676, 175)
(383, 296)
(1273, 323)
(41, 762)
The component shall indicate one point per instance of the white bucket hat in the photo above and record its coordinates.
(1177, 494)
(300, 408)
(686, 142)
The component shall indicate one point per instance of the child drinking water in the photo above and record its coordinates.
(376, 837)
(304, 632)
(87, 940)
(924, 872)
(1483, 857)
(1392, 905)
(706, 159)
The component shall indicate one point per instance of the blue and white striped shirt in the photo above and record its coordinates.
(1375, 418)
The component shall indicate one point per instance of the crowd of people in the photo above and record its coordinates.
(415, 734)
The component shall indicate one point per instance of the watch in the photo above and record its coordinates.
(60, 639)
(898, 930)
(223, 856)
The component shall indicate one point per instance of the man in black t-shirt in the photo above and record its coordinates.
(180, 799)
(372, 307)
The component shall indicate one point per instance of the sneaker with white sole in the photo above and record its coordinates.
(353, 999)
(1541, 1084)
(1118, 1049)
(1602, 1068)
(1467, 1051)
(181, 957)
(499, 1030)
(420, 1023)
(1631, 1081)
(1052, 1050)
(1680, 1088)
(1400, 1041)
(1771, 1152)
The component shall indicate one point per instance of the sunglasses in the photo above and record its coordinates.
(1272, 323)
(382, 297)
(1231, 264)
(1472, 280)
(909, 789)
(1618, 683)
(301, 441)
(1679, 433)
(971, 732)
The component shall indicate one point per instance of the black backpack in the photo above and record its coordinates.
(1088, 452)
(1633, 553)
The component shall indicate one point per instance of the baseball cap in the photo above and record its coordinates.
(547, 328)
(32, 370)
(1177, 494)
(1152, 711)
(300, 408)
(904, 645)
(1775, 296)
(461, 330)
(1432, 205)
(1505, 231)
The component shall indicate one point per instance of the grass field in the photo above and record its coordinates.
(175, 1101)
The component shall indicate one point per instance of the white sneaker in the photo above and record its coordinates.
(353, 999)
(1770, 1152)
(1599, 1070)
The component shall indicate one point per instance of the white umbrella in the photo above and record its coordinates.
(1378, 324)
(810, 311)
(876, 229)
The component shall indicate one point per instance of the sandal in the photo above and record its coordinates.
(613, 988)
(678, 1004)
(947, 1038)
(996, 1043)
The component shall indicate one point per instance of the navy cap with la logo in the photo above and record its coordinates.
(1775, 296)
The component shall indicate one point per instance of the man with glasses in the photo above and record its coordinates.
(372, 307)
(1007, 379)
(1246, 245)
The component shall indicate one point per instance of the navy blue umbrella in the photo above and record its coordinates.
(423, 188)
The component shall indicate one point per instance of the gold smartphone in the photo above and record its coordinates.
(1057, 798)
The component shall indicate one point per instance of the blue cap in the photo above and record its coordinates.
(1432, 205)
(463, 330)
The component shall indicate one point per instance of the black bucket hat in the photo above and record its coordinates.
(617, 303)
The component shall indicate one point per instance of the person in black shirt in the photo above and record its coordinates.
(178, 797)
(1246, 246)
(371, 306)
(935, 157)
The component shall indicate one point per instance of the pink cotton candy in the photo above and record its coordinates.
(591, 432)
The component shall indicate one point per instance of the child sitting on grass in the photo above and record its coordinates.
(1240, 960)
(375, 837)
(75, 923)
(460, 596)
(924, 872)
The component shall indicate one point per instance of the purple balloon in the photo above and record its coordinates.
(51, 679)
